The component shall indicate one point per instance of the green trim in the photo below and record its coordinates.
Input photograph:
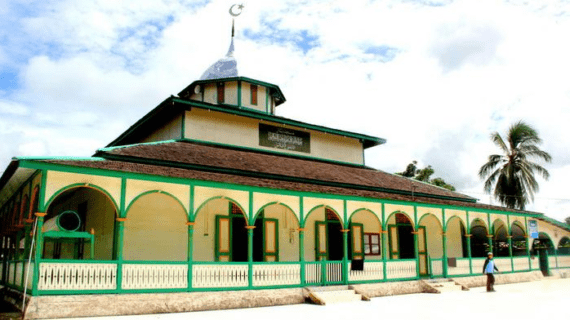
(152, 192)
(230, 200)
(81, 185)
(276, 253)
(260, 211)
(370, 211)
(217, 253)
(323, 206)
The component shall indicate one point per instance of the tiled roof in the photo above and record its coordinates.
(261, 165)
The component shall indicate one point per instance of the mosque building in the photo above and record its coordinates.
(211, 192)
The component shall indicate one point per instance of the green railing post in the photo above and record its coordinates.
(384, 244)
(323, 271)
(417, 252)
(302, 254)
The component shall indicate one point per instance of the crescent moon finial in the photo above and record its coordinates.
(240, 8)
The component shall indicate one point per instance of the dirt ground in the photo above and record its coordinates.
(546, 299)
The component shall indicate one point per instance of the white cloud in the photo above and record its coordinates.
(461, 71)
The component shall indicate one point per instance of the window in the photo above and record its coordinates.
(372, 244)
(253, 89)
(221, 90)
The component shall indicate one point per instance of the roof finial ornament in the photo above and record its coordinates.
(235, 14)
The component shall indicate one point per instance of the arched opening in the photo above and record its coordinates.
(564, 247)
(323, 235)
(155, 229)
(479, 241)
(430, 241)
(96, 214)
(500, 241)
(275, 237)
(25, 207)
(365, 240)
(543, 247)
(220, 232)
(456, 239)
(518, 239)
(400, 237)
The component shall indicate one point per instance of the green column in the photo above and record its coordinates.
(39, 250)
(527, 244)
(469, 253)
(3, 249)
(384, 244)
(510, 239)
(444, 244)
(190, 252)
(444, 262)
(416, 241)
(345, 257)
(119, 251)
(250, 254)
(302, 254)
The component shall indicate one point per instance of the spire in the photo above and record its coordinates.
(227, 66)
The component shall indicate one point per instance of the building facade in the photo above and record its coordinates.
(212, 191)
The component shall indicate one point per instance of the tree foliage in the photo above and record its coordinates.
(511, 175)
(567, 220)
(412, 171)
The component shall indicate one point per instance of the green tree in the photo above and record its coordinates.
(512, 174)
(567, 220)
(412, 171)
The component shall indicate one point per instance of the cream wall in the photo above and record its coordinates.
(310, 236)
(246, 97)
(171, 130)
(205, 229)
(371, 225)
(288, 233)
(156, 230)
(454, 242)
(230, 129)
(434, 237)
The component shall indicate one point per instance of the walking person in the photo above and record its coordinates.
(489, 268)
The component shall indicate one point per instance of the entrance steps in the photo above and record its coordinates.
(334, 294)
(445, 285)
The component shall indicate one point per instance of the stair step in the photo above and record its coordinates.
(338, 296)
(328, 288)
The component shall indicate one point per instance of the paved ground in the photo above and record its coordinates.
(547, 299)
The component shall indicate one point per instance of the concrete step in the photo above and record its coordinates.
(337, 296)
(328, 288)
(444, 285)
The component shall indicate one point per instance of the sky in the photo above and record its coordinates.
(433, 78)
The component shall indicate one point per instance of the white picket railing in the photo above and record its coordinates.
(503, 264)
(220, 275)
(373, 270)
(564, 261)
(276, 274)
(437, 267)
(535, 262)
(154, 276)
(520, 263)
(11, 271)
(401, 269)
(462, 267)
(77, 276)
(19, 273)
(313, 273)
(334, 271)
(29, 271)
(552, 262)
(477, 265)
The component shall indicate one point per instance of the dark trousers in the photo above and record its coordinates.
(490, 281)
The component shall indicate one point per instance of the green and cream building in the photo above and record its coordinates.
(211, 191)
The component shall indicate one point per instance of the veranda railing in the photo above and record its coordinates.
(94, 276)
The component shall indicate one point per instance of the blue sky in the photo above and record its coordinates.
(434, 78)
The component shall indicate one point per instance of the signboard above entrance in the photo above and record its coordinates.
(282, 138)
(533, 228)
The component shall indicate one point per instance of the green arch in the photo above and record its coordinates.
(461, 222)
(151, 192)
(518, 224)
(371, 212)
(484, 224)
(193, 217)
(81, 185)
(322, 206)
(414, 227)
(433, 215)
(504, 226)
(270, 204)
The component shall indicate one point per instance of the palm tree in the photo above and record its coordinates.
(512, 173)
